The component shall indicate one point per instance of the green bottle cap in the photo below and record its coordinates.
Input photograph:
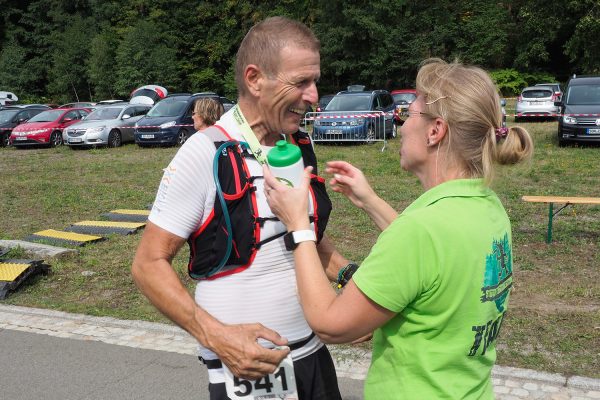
(284, 154)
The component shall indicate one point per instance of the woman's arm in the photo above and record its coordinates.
(335, 318)
(351, 182)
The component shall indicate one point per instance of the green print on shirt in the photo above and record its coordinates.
(498, 274)
(497, 282)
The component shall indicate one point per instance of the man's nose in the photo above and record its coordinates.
(311, 94)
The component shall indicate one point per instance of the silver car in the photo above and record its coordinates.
(109, 126)
(536, 102)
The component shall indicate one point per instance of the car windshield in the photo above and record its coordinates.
(349, 103)
(7, 115)
(407, 97)
(47, 116)
(537, 93)
(584, 95)
(104, 114)
(323, 101)
(167, 108)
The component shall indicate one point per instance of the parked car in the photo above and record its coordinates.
(580, 109)
(111, 101)
(148, 94)
(169, 122)
(109, 126)
(350, 115)
(536, 102)
(555, 87)
(402, 99)
(227, 104)
(46, 127)
(7, 98)
(79, 104)
(12, 116)
(323, 101)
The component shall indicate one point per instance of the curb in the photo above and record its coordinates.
(350, 361)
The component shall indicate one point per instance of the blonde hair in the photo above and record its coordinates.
(209, 109)
(263, 43)
(467, 99)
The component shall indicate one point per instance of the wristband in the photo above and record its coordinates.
(345, 274)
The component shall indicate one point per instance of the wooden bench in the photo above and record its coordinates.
(561, 200)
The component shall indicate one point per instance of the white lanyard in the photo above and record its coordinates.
(249, 136)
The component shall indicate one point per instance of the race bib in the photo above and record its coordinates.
(279, 385)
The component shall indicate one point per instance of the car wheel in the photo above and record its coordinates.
(114, 138)
(56, 139)
(181, 137)
(4, 139)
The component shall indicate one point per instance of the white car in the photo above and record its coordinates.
(536, 102)
(110, 126)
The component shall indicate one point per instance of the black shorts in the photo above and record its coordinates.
(315, 379)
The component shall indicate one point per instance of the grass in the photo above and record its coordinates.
(553, 322)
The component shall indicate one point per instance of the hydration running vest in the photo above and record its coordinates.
(211, 243)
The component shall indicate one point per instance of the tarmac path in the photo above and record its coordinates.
(53, 355)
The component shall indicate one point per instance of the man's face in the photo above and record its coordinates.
(285, 97)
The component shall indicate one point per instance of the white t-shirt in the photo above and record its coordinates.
(265, 292)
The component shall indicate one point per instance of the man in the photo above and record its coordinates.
(235, 318)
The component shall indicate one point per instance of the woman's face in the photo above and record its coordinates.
(413, 133)
(198, 121)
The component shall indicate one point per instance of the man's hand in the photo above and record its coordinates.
(237, 347)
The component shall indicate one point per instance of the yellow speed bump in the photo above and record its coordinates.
(11, 271)
(127, 215)
(106, 227)
(132, 212)
(62, 237)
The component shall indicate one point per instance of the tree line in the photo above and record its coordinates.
(64, 50)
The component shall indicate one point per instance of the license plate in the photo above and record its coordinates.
(535, 102)
(593, 131)
(147, 136)
(21, 138)
(334, 131)
(76, 140)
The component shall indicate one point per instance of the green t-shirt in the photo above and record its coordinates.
(445, 266)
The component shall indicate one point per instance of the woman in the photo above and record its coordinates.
(435, 286)
(206, 112)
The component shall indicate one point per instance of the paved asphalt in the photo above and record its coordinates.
(52, 355)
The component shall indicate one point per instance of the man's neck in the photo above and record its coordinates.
(256, 122)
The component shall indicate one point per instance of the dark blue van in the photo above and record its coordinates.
(169, 122)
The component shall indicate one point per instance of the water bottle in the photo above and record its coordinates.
(285, 162)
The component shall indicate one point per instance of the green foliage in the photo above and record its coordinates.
(95, 49)
(101, 66)
(510, 82)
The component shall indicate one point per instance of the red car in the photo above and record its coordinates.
(402, 99)
(46, 127)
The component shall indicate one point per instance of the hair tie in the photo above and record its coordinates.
(501, 133)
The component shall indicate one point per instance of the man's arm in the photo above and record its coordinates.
(236, 345)
(331, 259)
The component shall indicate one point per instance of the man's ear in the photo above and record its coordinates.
(437, 132)
(253, 78)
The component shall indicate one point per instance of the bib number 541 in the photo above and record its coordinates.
(279, 385)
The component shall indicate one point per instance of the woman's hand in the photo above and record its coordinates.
(289, 204)
(351, 182)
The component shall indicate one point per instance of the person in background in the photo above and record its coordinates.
(436, 284)
(247, 317)
(206, 112)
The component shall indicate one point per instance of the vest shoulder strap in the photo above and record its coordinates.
(216, 133)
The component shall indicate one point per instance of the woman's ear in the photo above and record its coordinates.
(437, 132)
